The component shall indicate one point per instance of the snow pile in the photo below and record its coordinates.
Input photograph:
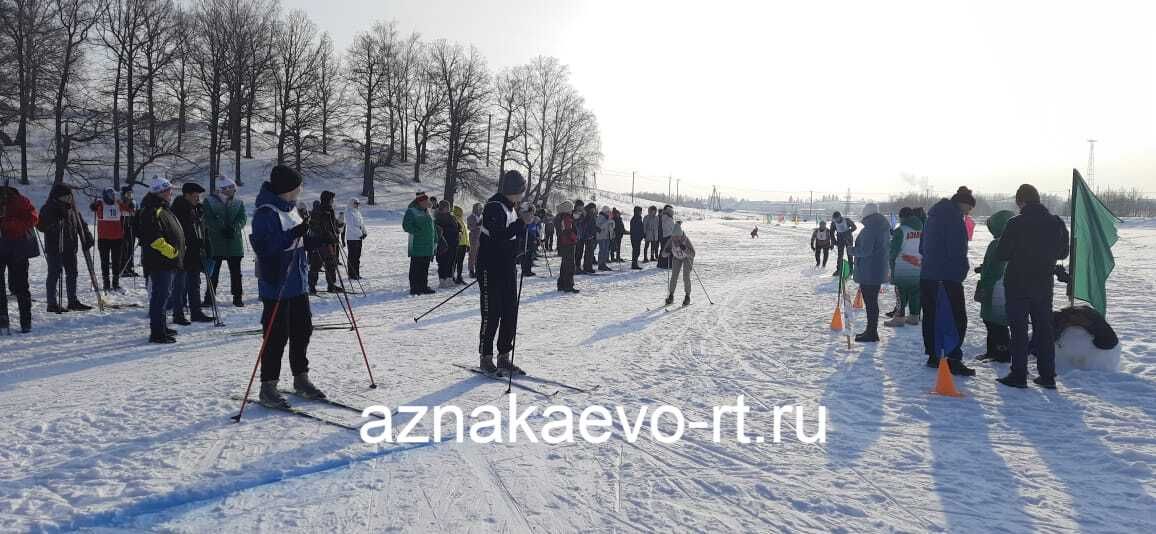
(1074, 350)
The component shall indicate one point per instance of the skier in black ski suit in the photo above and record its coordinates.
(502, 226)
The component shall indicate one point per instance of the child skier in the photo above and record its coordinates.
(989, 292)
(680, 252)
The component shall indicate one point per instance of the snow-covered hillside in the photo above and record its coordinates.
(104, 431)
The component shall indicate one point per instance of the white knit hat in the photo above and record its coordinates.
(159, 185)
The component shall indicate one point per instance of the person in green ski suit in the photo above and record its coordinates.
(422, 243)
(989, 293)
(906, 264)
(225, 222)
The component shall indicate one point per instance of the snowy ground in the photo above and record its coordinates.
(103, 431)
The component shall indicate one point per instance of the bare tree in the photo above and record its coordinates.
(329, 91)
(510, 99)
(425, 105)
(463, 75)
(28, 25)
(298, 60)
(210, 61)
(177, 78)
(158, 40)
(366, 75)
(75, 19)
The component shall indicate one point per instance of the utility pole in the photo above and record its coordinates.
(677, 195)
(489, 125)
(668, 180)
(1092, 163)
(812, 210)
(847, 204)
(632, 187)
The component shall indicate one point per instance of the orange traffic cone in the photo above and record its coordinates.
(944, 385)
(858, 300)
(837, 318)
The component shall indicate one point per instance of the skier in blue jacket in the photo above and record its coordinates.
(278, 239)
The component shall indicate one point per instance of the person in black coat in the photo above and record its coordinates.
(447, 241)
(637, 233)
(326, 230)
(65, 232)
(162, 255)
(187, 280)
(1032, 243)
(497, 257)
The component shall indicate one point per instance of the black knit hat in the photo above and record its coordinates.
(283, 179)
(327, 197)
(192, 187)
(59, 190)
(964, 196)
(512, 183)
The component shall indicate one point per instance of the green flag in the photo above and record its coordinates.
(1093, 234)
(845, 270)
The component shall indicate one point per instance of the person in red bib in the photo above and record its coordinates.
(109, 237)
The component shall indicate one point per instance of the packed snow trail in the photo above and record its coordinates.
(107, 431)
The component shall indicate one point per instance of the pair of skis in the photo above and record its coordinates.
(524, 382)
(310, 414)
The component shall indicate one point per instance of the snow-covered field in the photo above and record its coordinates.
(104, 431)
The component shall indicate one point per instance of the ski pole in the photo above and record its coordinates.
(80, 229)
(546, 257)
(345, 255)
(696, 275)
(356, 330)
(517, 308)
(268, 331)
(213, 293)
(449, 298)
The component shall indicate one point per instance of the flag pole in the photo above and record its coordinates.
(1072, 238)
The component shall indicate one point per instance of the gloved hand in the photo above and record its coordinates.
(364, 235)
(300, 229)
(978, 270)
(162, 246)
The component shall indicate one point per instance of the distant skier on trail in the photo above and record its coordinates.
(755, 232)
(497, 277)
(844, 230)
(679, 251)
(278, 235)
(821, 239)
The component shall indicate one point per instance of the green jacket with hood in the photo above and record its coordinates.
(989, 290)
(420, 226)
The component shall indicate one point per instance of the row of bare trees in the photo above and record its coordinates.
(121, 89)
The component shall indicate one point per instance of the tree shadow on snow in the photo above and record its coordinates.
(627, 326)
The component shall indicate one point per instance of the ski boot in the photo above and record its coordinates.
(670, 299)
(76, 305)
(487, 364)
(270, 397)
(686, 300)
(507, 367)
(305, 388)
(958, 368)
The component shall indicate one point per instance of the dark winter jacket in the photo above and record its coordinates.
(63, 228)
(18, 220)
(159, 229)
(193, 228)
(448, 231)
(281, 259)
(224, 224)
(944, 243)
(1103, 336)
(871, 251)
(1032, 244)
(501, 230)
(619, 228)
(588, 225)
(637, 229)
(324, 225)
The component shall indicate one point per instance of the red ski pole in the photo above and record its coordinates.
(356, 330)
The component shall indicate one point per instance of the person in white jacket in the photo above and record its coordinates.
(354, 234)
(605, 231)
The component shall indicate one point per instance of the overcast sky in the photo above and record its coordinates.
(762, 98)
